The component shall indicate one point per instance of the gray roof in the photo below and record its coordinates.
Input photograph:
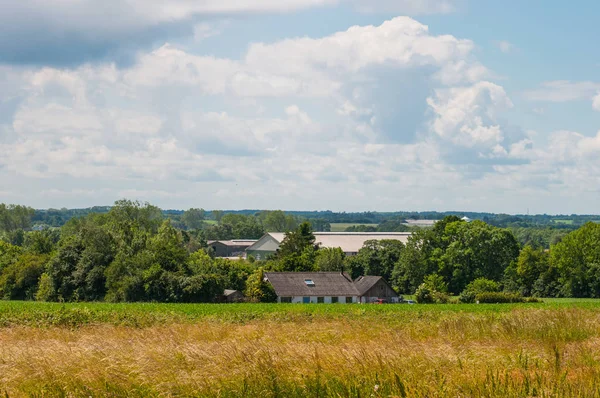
(228, 292)
(234, 242)
(325, 284)
(364, 283)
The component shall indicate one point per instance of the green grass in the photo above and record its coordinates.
(341, 227)
(211, 222)
(566, 222)
(40, 314)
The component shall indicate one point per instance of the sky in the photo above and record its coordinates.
(343, 105)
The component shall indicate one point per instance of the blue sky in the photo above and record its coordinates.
(304, 104)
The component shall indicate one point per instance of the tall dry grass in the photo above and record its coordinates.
(521, 353)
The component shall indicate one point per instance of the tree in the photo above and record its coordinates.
(476, 250)
(330, 259)
(217, 215)
(8, 254)
(19, 281)
(41, 242)
(14, 217)
(377, 257)
(193, 218)
(296, 241)
(278, 221)
(577, 261)
(46, 291)
(320, 225)
(258, 290)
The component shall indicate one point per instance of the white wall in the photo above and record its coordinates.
(313, 299)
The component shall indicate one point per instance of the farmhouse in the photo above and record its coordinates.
(328, 287)
(349, 242)
(230, 248)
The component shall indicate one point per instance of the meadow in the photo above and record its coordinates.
(548, 349)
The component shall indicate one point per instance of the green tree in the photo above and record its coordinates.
(258, 290)
(193, 218)
(278, 221)
(14, 217)
(41, 242)
(577, 261)
(482, 285)
(19, 281)
(330, 259)
(296, 241)
(46, 291)
(217, 215)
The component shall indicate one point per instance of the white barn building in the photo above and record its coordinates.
(349, 242)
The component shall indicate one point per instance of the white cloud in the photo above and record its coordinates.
(505, 46)
(409, 7)
(596, 102)
(466, 116)
(71, 32)
(296, 123)
(563, 91)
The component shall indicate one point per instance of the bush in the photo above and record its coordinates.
(436, 283)
(423, 295)
(440, 298)
(467, 297)
(502, 297)
(483, 285)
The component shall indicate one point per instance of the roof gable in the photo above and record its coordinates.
(267, 242)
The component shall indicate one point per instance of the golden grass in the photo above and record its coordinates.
(524, 352)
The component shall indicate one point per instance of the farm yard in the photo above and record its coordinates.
(97, 349)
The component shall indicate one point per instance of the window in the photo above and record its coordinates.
(320, 300)
(335, 300)
(309, 282)
(286, 299)
(348, 300)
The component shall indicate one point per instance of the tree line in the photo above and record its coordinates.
(133, 252)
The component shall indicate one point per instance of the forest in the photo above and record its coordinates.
(135, 251)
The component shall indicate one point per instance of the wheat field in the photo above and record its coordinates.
(519, 351)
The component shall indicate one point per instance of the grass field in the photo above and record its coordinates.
(550, 349)
(341, 227)
(567, 222)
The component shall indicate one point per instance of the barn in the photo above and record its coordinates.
(349, 242)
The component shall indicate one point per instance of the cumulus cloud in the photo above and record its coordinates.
(68, 32)
(466, 116)
(391, 110)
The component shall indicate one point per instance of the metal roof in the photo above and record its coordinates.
(234, 242)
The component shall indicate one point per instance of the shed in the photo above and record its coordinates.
(373, 288)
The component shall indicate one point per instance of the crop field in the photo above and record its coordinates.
(341, 227)
(550, 349)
